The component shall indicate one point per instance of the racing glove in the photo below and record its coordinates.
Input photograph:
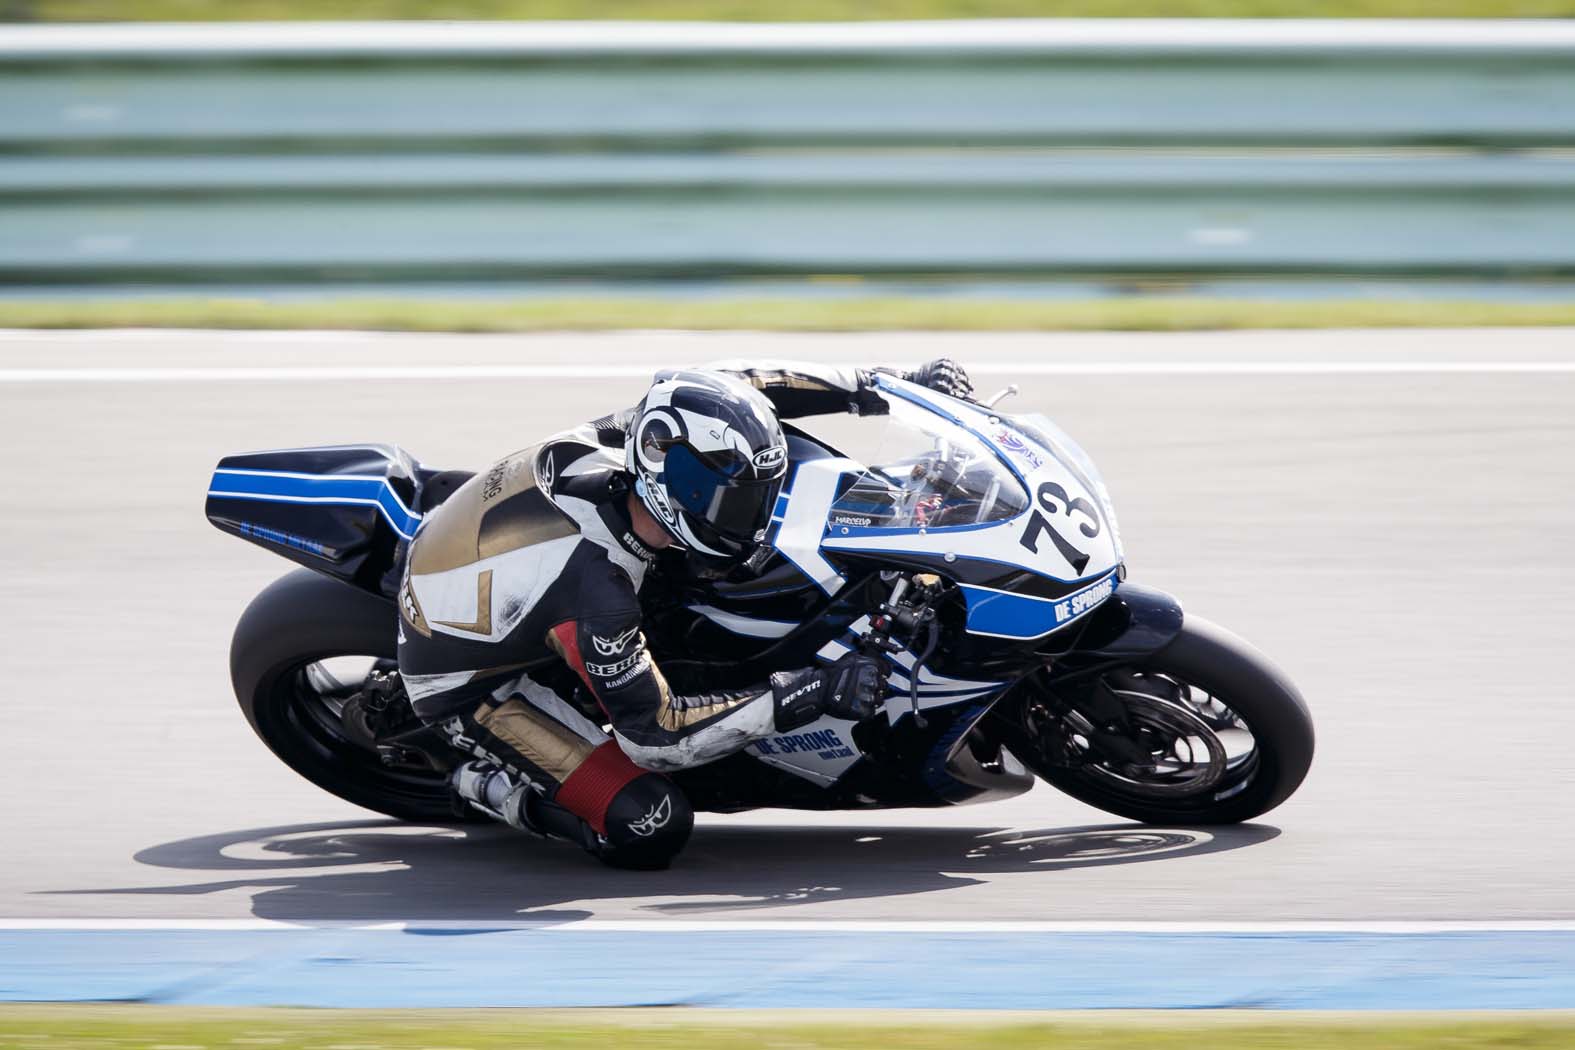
(853, 688)
(944, 376)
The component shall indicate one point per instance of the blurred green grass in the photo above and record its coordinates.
(174, 1028)
(762, 10)
(777, 314)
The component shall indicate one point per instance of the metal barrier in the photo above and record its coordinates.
(229, 153)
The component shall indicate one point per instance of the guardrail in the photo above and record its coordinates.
(224, 153)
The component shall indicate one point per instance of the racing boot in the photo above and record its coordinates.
(496, 792)
(512, 799)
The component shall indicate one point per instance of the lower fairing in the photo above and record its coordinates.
(946, 761)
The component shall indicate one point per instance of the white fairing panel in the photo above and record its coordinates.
(935, 690)
(820, 752)
(967, 486)
(800, 518)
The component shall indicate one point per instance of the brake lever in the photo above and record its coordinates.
(1005, 392)
(895, 615)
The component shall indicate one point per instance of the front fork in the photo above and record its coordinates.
(1040, 722)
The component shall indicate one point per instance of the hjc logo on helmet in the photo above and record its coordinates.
(770, 458)
(656, 497)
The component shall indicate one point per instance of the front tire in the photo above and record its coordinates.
(298, 627)
(1202, 660)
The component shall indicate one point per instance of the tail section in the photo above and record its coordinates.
(342, 510)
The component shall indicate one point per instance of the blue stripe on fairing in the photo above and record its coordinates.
(1019, 615)
(474, 965)
(330, 489)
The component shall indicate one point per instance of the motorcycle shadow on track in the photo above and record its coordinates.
(385, 870)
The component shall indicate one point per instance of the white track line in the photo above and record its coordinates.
(460, 38)
(530, 38)
(437, 373)
(790, 926)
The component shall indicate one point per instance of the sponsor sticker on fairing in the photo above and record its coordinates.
(1085, 599)
(288, 539)
(823, 743)
(1012, 442)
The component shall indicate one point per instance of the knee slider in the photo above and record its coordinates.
(647, 823)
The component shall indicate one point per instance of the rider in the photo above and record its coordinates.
(519, 632)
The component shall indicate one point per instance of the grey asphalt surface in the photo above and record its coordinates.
(1399, 543)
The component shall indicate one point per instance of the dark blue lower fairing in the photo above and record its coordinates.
(1134, 621)
(344, 511)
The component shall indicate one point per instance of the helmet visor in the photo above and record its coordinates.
(734, 509)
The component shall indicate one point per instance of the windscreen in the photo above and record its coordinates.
(931, 473)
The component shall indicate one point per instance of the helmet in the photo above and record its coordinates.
(708, 457)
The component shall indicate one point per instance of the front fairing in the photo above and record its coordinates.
(978, 497)
(1011, 509)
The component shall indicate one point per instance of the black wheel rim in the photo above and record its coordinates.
(300, 719)
(1195, 749)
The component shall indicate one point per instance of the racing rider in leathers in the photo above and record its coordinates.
(520, 632)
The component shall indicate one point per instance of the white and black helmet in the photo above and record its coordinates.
(708, 457)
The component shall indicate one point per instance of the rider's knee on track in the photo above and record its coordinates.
(648, 822)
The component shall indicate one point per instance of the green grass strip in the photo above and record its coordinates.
(815, 315)
(185, 1028)
(766, 10)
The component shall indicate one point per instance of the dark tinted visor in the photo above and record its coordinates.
(657, 440)
(735, 509)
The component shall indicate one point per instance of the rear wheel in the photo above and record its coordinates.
(303, 650)
(1204, 731)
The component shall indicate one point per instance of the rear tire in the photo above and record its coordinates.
(1209, 657)
(299, 620)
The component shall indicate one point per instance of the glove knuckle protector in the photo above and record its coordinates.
(944, 376)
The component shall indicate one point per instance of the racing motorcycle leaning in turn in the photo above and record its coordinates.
(977, 555)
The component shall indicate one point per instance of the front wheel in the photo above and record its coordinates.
(1204, 731)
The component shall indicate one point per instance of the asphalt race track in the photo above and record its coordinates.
(1389, 516)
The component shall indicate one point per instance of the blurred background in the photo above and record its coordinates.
(962, 165)
(1010, 173)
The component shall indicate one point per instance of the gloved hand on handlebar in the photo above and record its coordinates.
(944, 376)
(853, 688)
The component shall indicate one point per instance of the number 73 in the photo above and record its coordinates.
(1055, 501)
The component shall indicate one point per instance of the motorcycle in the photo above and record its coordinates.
(980, 557)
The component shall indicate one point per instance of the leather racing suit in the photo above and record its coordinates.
(532, 568)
